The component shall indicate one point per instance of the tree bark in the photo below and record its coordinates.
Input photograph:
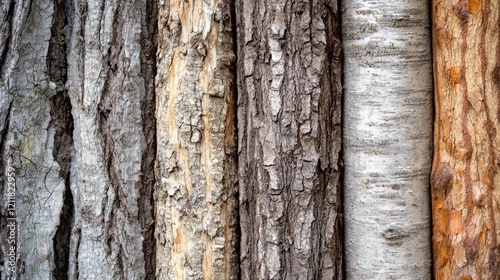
(77, 96)
(35, 125)
(196, 195)
(289, 139)
(465, 174)
(387, 139)
(111, 61)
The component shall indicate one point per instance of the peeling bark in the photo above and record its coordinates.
(387, 139)
(289, 110)
(465, 174)
(196, 192)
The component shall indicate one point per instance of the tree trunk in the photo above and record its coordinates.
(35, 126)
(196, 196)
(110, 80)
(387, 139)
(78, 103)
(466, 174)
(289, 139)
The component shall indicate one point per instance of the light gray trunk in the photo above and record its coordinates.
(110, 83)
(289, 98)
(33, 135)
(84, 183)
(196, 194)
(387, 139)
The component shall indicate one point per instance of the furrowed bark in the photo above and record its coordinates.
(387, 139)
(35, 136)
(110, 83)
(465, 175)
(289, 102)
(196, 192)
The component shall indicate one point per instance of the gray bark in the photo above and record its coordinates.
(110, 83)
(196, 192)
(33, 134)
(387, 139)
(84, 183)
(289, 98)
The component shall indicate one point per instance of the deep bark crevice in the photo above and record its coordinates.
(62, 123)
(333, 22)
(148, 107)
(62, 237)
(6, 35)
(106, 121)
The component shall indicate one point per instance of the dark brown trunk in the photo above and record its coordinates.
(289, 110)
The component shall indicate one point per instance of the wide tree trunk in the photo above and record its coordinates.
(84, 183)
(196, 195)
(289, 98)
(387, 139)
(466, 170)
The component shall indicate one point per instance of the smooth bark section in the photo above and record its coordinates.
(110, 72)
(195, 196)
(289, 109)
(466, 172)
(387, 139)
(33, 135)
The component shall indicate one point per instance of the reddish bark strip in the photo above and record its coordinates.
(465, 177)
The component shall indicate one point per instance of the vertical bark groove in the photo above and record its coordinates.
(6, 18)
(148, 107)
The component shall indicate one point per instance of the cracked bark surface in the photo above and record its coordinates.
(30, 130)
(465, 174)
(111, 60)
(196, 192)
(387, 139)
(77, 108)
(289, 110)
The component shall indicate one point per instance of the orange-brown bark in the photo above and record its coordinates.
(465, 175)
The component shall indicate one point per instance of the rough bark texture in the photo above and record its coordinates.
(466, 171)
(84, 185)
(387, 139)
(196, 194)
(111, 62)
(289, 98)
(33, 134)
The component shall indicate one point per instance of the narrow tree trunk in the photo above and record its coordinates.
(289, 139)
(196, 200)
(35, 127)
(387, 139)
(466, 173)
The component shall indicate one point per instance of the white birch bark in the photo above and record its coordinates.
(387, 139)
